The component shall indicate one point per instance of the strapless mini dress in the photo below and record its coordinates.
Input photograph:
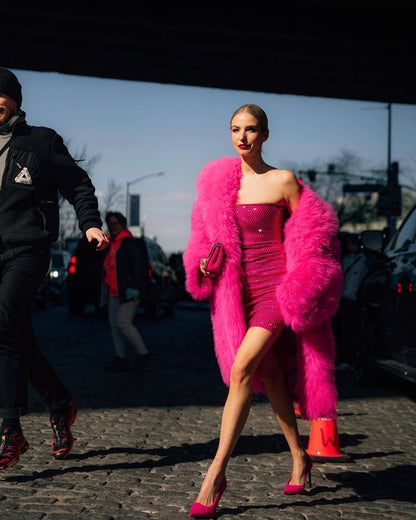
(263, 262)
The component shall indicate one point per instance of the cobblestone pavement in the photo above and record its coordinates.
(143, 439)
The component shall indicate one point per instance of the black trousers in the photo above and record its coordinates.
(20, 357)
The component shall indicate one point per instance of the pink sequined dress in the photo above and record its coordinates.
(263, 262)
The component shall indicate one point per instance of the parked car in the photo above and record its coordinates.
(84, 278)
(56, 284)
(53, 286)
(162, 281)
(176, 262)
(85, 274)
(388, 304)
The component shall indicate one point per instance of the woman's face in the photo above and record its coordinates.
(246, 134)
(114, 226)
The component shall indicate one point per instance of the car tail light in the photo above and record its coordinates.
(72, 265)
(400, 288)
(150, 270)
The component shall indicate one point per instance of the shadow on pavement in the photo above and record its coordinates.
(395, 483)
(183, 370)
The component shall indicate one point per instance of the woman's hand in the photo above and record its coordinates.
(202, 266)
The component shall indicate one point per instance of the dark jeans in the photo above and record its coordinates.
(20, 358)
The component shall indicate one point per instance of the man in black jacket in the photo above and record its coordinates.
(34, 166)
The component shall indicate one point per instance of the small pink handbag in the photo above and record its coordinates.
(215, 258)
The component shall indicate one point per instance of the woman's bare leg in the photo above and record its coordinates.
(237, 407)
(277, 391)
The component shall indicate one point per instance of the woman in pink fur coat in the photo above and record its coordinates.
(294, 362)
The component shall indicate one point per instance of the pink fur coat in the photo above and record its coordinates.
(308, 295)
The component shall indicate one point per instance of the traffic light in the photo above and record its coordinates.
(390, 201)
(390, 197)
(393, 174)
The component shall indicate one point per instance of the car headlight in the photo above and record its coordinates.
(54, 274)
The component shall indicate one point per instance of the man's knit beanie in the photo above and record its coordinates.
(10, 85)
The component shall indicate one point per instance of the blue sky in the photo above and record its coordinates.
(138, 128)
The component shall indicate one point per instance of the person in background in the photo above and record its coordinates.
(272, 301)
(124, 279)
(346, 321)
(34, 166)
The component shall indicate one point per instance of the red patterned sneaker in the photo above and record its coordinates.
(13, 444)
(62, 436)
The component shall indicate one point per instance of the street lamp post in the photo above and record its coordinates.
(129, 183)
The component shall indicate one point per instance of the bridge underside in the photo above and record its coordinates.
(337, 49)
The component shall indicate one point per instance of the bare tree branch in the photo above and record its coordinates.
(68, 225)
(113, 199)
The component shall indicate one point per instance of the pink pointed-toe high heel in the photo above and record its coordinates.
(296, 489)
(200, 511)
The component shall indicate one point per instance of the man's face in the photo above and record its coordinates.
(8, 108)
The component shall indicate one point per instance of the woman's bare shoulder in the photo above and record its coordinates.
(288, 186)
(284, 176)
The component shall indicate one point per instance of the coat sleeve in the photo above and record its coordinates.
(310, 292)
(74, 184)
(198, 285)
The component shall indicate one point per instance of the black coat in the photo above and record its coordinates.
(38, 166)
(132, 267)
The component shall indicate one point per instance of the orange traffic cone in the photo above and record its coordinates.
(324, 442)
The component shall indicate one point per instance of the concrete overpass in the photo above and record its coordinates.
(351, 49)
